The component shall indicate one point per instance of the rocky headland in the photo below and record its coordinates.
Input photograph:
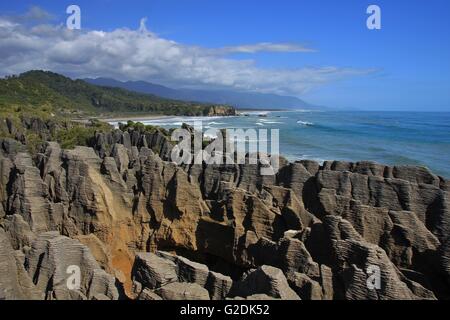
(141, 227)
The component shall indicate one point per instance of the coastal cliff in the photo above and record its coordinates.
(141, 227)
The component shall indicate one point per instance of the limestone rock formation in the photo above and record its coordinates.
(152, 271)
(15, 282)
(266, 280)
(305, 287)
(122, 211)
(52, 261)
(183, 291)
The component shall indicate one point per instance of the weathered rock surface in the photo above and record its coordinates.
(266, 280)
(147, 294)
(218, 285)
(183, 291)
(15, 282)
(305, 287)
(188, 271)
(153, 271)
(51, 261)
(310, 231)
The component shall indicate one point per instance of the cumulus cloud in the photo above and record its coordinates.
(140, 54)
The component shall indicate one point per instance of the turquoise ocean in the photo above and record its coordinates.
(393, 138)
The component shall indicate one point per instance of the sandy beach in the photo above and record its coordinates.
(133, 118)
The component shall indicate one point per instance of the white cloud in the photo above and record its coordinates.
(37, 14)
(264, 47)
(127, 54)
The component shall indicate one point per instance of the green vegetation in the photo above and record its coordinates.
(34, 131)
(80, 135)
(49, 93)
(34, 142)
(143, 128)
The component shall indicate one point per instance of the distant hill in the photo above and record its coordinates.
(238, 99)
(52, 92)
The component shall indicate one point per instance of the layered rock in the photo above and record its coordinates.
(15, 283)
(164, 274)
(170, 276)
(311, 231)
(266, 280)
(54, 261)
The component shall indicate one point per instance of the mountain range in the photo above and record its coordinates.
(238, 99)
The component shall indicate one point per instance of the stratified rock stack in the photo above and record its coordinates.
(140, 226)
(169, 276)
(15, 282)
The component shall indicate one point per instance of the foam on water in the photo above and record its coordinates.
(305, 123)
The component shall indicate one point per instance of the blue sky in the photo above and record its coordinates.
(403, 66)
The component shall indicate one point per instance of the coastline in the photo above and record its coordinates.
(133, 118)
(144, 117)
(331, 135)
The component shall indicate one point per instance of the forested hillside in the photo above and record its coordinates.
(47, 92)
